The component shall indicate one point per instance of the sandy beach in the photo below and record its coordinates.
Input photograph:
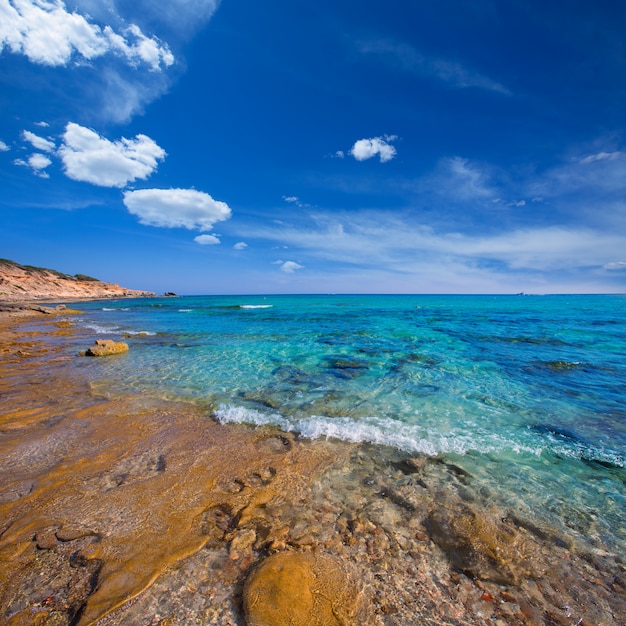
(128, 509)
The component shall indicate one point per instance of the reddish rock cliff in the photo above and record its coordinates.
(23, 283)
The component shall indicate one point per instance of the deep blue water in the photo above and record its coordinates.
(528, 391)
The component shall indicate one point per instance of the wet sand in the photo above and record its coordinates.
(133, 510)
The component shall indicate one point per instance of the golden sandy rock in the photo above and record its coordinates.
(304, 589)
(106, 347)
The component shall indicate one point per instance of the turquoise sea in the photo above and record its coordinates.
(528, 393)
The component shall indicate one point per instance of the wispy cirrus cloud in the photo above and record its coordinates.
(396, 242)
(409, 59)
(458, 234)
(602, 172)
(616, 266)
(460, 179)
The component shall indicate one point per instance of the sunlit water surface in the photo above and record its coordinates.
(528, 393)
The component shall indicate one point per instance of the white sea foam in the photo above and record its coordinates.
(228, 413)
(256, 306)
(110, 330)
(99, 329)
(375, 430)
(185, 310)
(598, 454)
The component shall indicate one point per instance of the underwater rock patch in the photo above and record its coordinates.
(345, 367)
(479, 546)
(304, 589)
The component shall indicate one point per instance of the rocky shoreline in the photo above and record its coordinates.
(134, 510)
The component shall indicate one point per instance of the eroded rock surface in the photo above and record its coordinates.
(304, 589)
(107, 347)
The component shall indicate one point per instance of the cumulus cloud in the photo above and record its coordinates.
(37, 163)
(123, 66)
(39, 143)
(207, 240)
(47, 33)
(176, 208)
(289, 267)
(364, 149)
(88, 157)
(138, 48)
(241, 245)
(4, 147)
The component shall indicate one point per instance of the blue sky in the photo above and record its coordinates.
(202, 147)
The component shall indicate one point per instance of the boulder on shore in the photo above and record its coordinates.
(106, 347)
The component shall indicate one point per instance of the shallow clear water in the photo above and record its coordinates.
(526, 392)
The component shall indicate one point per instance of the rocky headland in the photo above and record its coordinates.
(28, 284)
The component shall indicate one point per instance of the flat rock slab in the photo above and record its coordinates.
(304, 589)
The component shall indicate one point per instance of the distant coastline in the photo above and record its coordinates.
(29, 284)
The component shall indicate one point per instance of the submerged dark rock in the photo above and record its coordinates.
(479, 546)
(345, 367)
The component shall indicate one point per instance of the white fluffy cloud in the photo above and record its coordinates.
(241, 245)
(289, 267)
(207, 240)
(3, 146)
(37, 163)
(88, 157)
(47, 33)
(177, 208)
(39, 143)
(364, 149)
